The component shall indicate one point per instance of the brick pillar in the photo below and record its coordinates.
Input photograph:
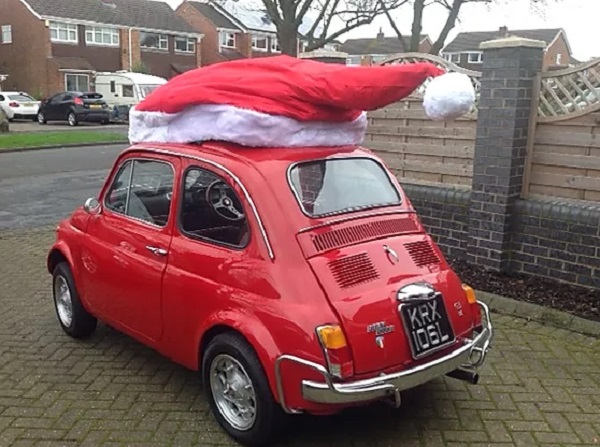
(510, 67)
(124, 48)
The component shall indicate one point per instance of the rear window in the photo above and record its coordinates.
(91, 95)
(23, 98)
(335, 186)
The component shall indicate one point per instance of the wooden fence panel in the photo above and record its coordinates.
(419, 150)
(566, 159)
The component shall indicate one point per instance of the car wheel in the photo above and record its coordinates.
(238, 391)
(72, 316)
(41, 118)
(72, 119)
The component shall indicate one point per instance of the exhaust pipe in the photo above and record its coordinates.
(464, 375)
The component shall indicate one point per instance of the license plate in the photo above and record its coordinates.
(95, 106)
(427, 326)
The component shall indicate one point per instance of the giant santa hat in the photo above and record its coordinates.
(283, 101)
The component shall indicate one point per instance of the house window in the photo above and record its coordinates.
(98, 35)
(454, 57)
(63, 32)
(275, 47)
(558, 58)
(260, 43)
(77, 82)
(475, 58)
(185, 45)
(153, 40)
(227, 39)
(6, 34)
(353, 60)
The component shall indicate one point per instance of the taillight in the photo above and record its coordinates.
(336, 350)
(78, 101)
(472, 300)
(13, 104)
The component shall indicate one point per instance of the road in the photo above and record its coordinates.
(539, 387)
(40, 187)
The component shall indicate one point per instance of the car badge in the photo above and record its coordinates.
(380, 329)
(391, 253)
(458, 308)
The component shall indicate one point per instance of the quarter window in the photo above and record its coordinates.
(153, 40)
(63, 32)
(212, 211)
(142, 189)
(98, 35)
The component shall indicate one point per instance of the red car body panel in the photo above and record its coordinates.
(276, 290)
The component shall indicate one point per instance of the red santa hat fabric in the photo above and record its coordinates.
(276, 101)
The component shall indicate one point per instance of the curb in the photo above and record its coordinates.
(59, 146)
(540, 314)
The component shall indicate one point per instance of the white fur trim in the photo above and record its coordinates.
(245, 127)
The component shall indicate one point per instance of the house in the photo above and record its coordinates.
(369, 51)
(53, 45)
(233, 30)
(464, 49)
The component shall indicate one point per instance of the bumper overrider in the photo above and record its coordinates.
(460, 363)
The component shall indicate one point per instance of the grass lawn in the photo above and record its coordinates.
(37, 139)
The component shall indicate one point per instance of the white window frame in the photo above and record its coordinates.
(558, 58)
(6, 36)
(225, 37)
(454, 58)
(256, 38)
(275, 47)
(78, 75)
(163, 42)
(91, 32)
(190, 44)
(475, 58)
(69, 28)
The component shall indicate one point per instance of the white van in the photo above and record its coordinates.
(124, 89)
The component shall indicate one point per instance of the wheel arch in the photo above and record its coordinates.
(58, 253)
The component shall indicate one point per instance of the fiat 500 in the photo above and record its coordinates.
(293, 280)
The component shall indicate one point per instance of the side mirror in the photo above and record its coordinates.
(92, 206)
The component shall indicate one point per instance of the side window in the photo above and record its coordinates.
(142, 189)
(56, 99)
(1, 98)
(212, 211)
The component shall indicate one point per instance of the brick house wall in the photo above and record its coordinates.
(558, 47)
(136, 56)
(103, 58)
(24, 60)
(159, 62)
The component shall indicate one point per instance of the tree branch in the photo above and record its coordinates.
(450, 22)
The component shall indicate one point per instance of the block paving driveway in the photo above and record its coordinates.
(541, 386)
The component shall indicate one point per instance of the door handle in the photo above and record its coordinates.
(156, 250)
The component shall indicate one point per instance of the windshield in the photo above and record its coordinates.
(342, 185)
(145, 90)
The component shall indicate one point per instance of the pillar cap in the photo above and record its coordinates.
(512, 42)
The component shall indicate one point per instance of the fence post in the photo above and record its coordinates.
(510, 68)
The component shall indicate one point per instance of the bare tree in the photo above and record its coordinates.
(453, 8)
(290, 15)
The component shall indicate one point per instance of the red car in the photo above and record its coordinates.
(296, 280)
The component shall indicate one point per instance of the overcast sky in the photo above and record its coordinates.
(579, 18)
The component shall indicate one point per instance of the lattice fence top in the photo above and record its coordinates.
(409, 58)
(570, 93)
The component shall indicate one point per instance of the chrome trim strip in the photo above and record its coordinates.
(388, 385)
(231, 174)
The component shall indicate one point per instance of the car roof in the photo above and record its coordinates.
(4, 92)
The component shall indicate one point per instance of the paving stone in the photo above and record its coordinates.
(540, 386)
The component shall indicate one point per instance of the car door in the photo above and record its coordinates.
(126, 247)
(52, 106)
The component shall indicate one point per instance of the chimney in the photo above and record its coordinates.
(503, 31)
(380, 35)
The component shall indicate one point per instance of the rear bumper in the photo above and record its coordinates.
(469, 356)
(95, 116)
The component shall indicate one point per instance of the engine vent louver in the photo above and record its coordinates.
(422, 253)
(353, 270)
(358, 233)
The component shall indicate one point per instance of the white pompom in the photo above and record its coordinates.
(449, 96)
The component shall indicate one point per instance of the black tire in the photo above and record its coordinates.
(82, 324)
(72, 119)
(270, 418)
(41, 118)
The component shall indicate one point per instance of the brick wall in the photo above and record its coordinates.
(559, 47)
(124, 48)
(209, 46)
(24, 60)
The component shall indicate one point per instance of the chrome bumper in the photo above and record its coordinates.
(468, 357)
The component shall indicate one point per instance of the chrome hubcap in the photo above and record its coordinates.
(233, 392)
(41, 118)
(71, 119)
(62, 298)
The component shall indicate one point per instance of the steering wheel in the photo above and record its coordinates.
(221, 203)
